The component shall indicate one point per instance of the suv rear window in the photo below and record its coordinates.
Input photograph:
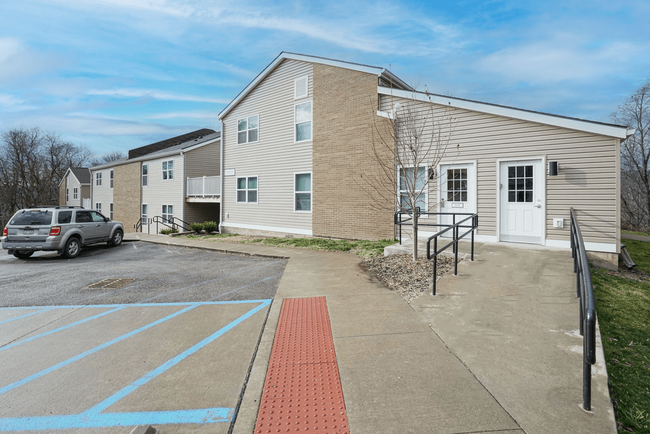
(32, 217)
(65, 217)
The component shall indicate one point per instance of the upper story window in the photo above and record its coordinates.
(302, 121)
(301, 87)
(168, 169)
(111, 180)
(98, 178)
(67, 193)
(75, 193)
(145, 174)
(247, 129)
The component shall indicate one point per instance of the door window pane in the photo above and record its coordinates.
(520, 183)
(457, 185)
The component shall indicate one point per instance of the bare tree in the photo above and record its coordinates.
(409, 141)
(32, 164)
(107, 158)
(635, 160)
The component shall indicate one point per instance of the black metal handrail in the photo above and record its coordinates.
(144, 221)
(585, 291)
(454, 242)
(170, 222)
(399, 220)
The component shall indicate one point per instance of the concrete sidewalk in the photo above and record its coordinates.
(496, 351)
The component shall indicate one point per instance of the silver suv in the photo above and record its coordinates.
(64, 229)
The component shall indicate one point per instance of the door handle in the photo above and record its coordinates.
(539, 205)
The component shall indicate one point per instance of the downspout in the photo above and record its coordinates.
(221, 176)
(184, 188)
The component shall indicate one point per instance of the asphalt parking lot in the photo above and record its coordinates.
(171, 348)
(150, 273)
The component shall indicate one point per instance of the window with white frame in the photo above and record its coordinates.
(248, 129)
(110, 207)
(110, 182)
(145, 218)
(67, 193)
(98, 178)
(247, 189)
(168, 169)
(302, 121)
(413, 183)
(302, 192)
(75, 193)
(145, 174)
(167, 213)
(301, 87)
(98, 207)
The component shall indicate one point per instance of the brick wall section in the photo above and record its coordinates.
(62, 188)
(126, 195)
(345, 113)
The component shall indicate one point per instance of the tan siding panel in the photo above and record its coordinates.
(203, 161)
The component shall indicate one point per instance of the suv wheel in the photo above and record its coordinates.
(23, 254)
(116, 239)
(72, 248)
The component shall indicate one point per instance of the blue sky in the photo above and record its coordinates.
(118, 74)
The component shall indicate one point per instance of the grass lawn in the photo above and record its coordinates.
(199, 237)
(635, 233)
(623, 309)
(360, 247)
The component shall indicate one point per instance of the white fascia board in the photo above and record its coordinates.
(65, 176)
(311, 59)
(525, 115)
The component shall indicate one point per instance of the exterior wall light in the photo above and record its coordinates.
(553, 168)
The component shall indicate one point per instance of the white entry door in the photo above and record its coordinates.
(522, 201)
(457, 186)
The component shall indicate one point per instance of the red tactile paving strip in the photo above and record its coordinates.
(302, 392)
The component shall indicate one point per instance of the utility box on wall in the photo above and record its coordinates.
(558, 223)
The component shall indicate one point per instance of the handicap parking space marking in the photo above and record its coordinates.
(93, 417)
(28, 314)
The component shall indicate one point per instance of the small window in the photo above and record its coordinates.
(110, 207)
(67, 193)
(64, 217)
(247, 189)
(111, 180)
(75, 193)
(168, 169)
(302, 192)
(410, 183)
(457, 185)
(98, 206)
(98, 178)
(145, 219)
(168, 213)
(247, 130)
(303, 121)
(301, 87)
(145, 174)
(520, 184)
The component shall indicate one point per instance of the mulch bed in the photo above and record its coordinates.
(409, 279)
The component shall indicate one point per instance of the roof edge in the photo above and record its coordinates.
(610, 130)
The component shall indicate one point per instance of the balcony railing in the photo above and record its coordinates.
(206, 186)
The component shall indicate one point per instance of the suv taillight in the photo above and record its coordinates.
(55, 230)
(4, 232)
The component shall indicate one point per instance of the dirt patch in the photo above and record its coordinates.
(409, 279)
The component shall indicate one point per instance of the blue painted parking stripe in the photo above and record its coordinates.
(172, 362)
(92, 351)
(203, 416)
(26, 315)
(187, 303)
(13, 344)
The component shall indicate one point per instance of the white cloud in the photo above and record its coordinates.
(185, 115)
(19, 61)
(559, 60)
(12, 103)
(155, 94)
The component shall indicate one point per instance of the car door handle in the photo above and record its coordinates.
(80, 226)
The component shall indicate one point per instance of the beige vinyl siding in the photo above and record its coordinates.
(102, 193)
(587, 180)
(275, 158)
(203, 161)
(73, 183)
(159, 192)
